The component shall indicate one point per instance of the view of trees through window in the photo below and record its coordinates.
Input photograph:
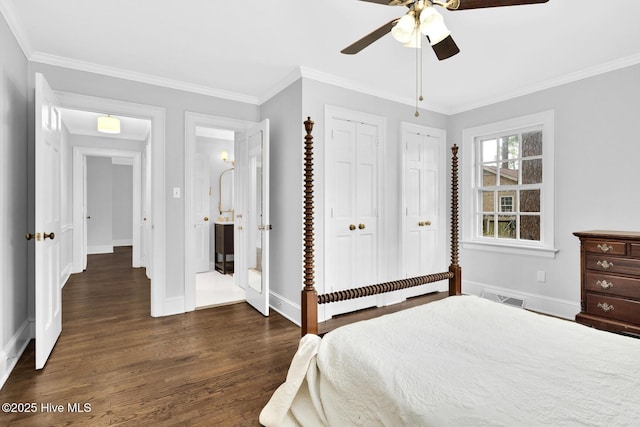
(510, 184)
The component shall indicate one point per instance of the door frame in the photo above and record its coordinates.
(79, 183)
(441, 134)
(159, 305)
(191, 121)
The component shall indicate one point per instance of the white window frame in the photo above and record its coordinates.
(471, 233)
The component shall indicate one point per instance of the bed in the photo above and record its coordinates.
(459, 361)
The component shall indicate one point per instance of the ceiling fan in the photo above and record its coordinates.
(423, 18)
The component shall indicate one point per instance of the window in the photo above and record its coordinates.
(508, 192)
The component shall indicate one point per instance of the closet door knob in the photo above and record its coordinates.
(352, 227)
(421, 224)
(30, 236)
(49, 236)
(361, 226)
(206, 218)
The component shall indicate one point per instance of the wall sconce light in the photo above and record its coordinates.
(225, 157)
(108, 124)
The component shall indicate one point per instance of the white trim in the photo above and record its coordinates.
(12, 351)
(287, 308)
(535, 302)
(6, 8)
(191, 121)
(122, 242)
(546, 246)
(158, 184)
(99, 249)
(173, 305)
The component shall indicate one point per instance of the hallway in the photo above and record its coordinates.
(216, 366)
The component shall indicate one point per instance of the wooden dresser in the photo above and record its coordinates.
(610, 280)
(224, 247)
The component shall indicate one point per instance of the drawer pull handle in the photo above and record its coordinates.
(604, 284)
(605, 264)
(604, 247)
(605, 307)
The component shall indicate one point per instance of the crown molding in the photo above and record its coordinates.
(596, 70)
(10, 17)
(90, 67)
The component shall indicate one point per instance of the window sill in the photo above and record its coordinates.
(511, 249)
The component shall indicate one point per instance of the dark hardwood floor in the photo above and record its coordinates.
(209, 367)
(213, 367)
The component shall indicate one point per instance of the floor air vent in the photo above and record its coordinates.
(503, 299)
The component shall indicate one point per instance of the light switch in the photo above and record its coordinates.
(176, 192)
(541, 276)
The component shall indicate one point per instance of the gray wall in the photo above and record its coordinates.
(175, 103)
(122, 208)
(597, 180)
(14, 330)
(99, 205)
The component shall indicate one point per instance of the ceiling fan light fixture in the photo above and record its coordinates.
(405, 28)
(432, 25)
(108, 124)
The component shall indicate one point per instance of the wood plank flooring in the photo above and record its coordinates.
(210, 367)
(213, 367)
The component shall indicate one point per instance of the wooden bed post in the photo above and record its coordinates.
(455, 283)
(309, 300)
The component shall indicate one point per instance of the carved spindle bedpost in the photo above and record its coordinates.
(455, 283)
(309, 301)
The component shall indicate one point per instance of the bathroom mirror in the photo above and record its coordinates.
(225, 204)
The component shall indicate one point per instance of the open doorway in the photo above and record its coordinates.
(214, 218)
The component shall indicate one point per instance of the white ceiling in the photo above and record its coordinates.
(248, 50)
(86, 123)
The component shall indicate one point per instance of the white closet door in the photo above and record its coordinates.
(423, 206)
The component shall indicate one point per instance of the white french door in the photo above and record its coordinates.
(352, 202)
(252, 220)
(48, 291)
(201, 208)
(423, 204)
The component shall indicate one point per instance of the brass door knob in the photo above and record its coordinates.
(421, 224)
(49, 236)
(30, 236)
(352, 227)
(427, 223)
(361, 226)
(206, 218)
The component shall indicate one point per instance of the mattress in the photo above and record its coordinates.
(461, 361)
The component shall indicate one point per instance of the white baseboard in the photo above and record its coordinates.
(11, 353)
(174, 305)
(543, 304)
(66, 272)
(105, 249)
(285, 307)
(123, 242)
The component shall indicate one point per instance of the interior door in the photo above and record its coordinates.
(353, 202)
(201, 200)
(422, 204)
(256, 222)
(48, 291)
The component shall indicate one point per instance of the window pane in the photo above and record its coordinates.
(532, 143)
(509, 173)
(507, 226)
(507, 200)
(488, 226)
(487, 201)
(489, 150)
(530, 201)
(532, 171)
(489, 175)
(530, 227)
(509, 147)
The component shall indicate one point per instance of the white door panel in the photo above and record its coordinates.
(48, 292)
(201, 212)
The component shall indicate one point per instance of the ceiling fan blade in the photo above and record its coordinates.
(369, 38)
(446, 48)
(477, 4)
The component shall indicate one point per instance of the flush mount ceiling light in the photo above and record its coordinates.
(108, 124)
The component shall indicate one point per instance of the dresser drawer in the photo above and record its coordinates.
(611, 264)
(635, 250)
(613, 308)
(605, 247)
(610, 284)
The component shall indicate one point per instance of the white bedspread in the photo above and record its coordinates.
(461, 361)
